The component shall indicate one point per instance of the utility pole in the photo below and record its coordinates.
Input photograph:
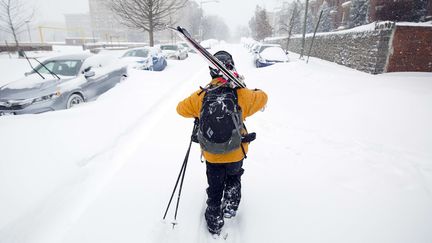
(28, 30)
(313, 38)
(304, 30)
(290, 27)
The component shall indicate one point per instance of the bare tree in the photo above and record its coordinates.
(147, 15)
(14, 15)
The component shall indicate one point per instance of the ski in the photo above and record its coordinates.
(212, 61)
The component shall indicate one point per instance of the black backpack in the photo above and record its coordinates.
(220, 121)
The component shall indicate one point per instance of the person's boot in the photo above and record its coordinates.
(214, 218)
(231, 201)
(229, 209)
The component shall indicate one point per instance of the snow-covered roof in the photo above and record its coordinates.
(422, 24)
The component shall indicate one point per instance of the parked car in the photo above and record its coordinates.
(146, 58)
(174, 51)
(268, 55)
(61, 83)
(254, 47)
(210, 43)
(185, 45)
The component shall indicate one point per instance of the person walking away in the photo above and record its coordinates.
(221, 108)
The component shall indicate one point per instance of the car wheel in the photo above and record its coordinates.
(74, 99)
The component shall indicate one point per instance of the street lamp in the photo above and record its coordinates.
(28, 30)
(201, 22)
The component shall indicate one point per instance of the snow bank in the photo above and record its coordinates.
(340, 156)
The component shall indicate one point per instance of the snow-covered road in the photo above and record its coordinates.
(341, 156)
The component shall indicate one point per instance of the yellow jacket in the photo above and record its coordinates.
(250, 102)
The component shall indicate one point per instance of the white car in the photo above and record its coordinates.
(268, 54)
(145, 58)
(174, 51)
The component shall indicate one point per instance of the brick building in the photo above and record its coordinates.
(400, 10)
(397, 42)
(378, 10)
(340, 11)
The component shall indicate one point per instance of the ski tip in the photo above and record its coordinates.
(170, 27)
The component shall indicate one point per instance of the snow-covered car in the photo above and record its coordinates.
(174, 51)
(208, 44)
(61, 83)
(254, 47)
(268, 55)
(145, 58)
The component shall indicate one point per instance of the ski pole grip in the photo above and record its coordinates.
(249, 137)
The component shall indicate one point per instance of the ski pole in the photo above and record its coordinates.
(181, 182)
(175, 188)
(181, 176)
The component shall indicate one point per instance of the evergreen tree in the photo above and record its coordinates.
(259, 24)
(310, 18)
(326, 24)
(358, 13)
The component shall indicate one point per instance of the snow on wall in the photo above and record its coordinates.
(372, 48)
(10, 47)
(363, 48)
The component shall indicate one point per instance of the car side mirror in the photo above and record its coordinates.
(87, 69)
(27, 74)
(89, 74)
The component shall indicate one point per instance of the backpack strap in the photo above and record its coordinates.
(244, 126)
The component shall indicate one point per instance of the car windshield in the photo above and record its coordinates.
(61, 67)
(137, 53)
(169, 47)
(274, 53)
(263, 47)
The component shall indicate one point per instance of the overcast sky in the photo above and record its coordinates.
(234, 12)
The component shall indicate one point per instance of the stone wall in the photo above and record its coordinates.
(366, 51)
(376, 48)
(25, 47)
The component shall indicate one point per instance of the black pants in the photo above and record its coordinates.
(224, 182)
